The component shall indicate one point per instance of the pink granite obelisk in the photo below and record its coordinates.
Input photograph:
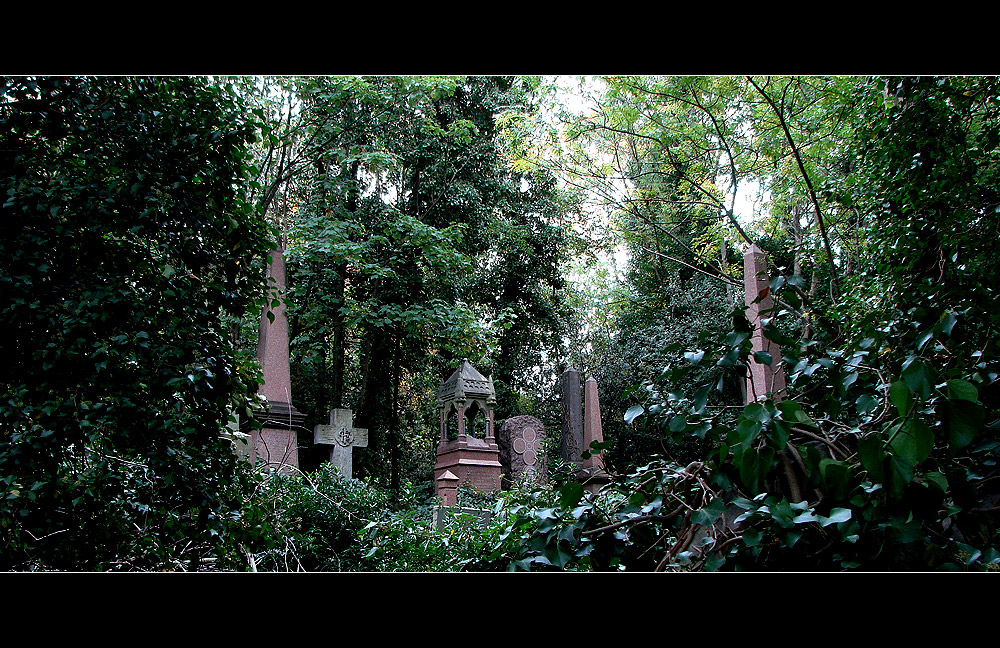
(592, 428)
(763, 378)
(276, 444)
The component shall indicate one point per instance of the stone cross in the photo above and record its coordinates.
(343, 437)
(763, 378)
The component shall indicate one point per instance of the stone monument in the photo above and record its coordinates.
(763, 378)
(467, 395)
(521, 440)
(276, 443)
(581, 427)
(593, 430)
(572, 433)
(343, 437)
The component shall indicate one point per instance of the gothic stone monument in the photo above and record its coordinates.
(467, 395)
(763, 379)
(276, 444)
(521, 440)
(343, 437)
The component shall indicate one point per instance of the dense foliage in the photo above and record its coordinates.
(125, 239)
(881, 454)
(427, 219)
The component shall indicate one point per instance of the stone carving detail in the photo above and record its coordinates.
(522, 441)
(342, 437)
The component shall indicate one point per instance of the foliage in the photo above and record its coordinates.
(126, 239)
(881, 455)
(323, 522)
(413, 243)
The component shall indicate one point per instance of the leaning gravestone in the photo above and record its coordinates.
(521, 440)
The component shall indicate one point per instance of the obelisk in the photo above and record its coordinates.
(276, 444)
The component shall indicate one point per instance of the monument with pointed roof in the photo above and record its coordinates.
(467, 395)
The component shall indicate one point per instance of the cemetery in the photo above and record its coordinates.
(496, 323)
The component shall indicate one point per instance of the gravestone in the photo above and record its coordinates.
(343, 437)
(763, 378)
(572, 417)
(521, 440)
(276, 443)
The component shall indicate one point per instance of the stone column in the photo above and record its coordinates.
(592, 428)
(277, 442)
(763, 378)
(572, 433)
(447, 488)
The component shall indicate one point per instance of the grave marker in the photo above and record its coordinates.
(343, 437)
(763, 378)
(276, 443)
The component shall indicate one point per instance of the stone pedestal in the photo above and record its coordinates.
(472, 461)
(446, 487)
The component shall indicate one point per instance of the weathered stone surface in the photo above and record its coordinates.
(276, 444)
(572, 433)
(342, 437)
(763, 378)
(521, 440)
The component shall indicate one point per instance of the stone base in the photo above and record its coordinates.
(472, 461)
(592, 478)
(276, 448)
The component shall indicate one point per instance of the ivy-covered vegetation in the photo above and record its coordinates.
(430, 219)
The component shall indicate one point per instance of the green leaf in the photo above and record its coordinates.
(900, 396)
(836, 478)
(871, 456)
(836, 515)
(947, 322)
(763, 357)
(633, 412)
(694, 357)
(913, 442)
(707, 515)
(965, 420)
(570, 494)
(700, 399)
(963, 390)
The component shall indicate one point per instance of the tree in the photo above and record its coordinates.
(414, 243)
(126, 240)
(881, 453)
